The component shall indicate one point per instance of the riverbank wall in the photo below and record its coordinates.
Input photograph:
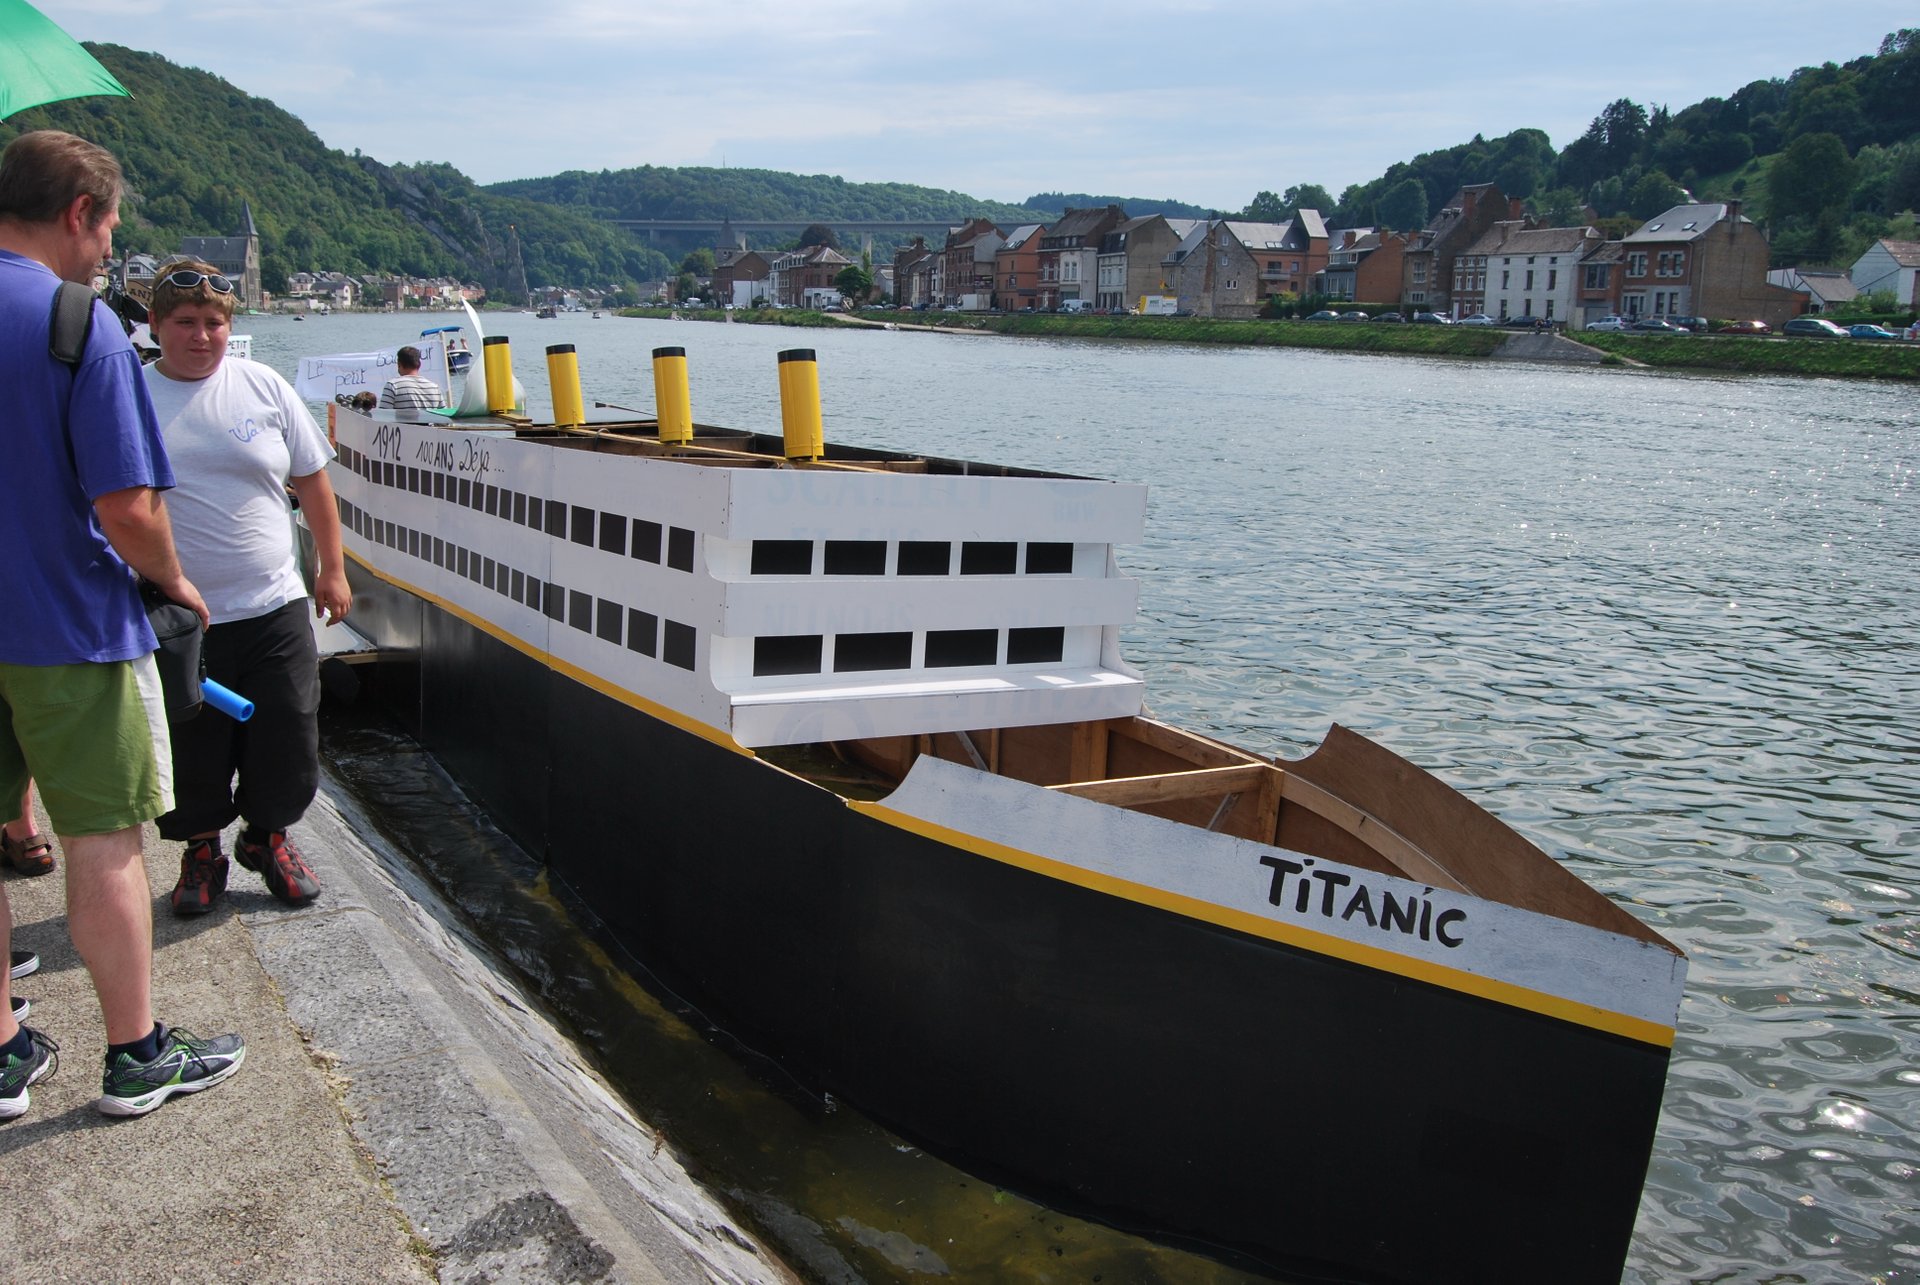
(1749, 354)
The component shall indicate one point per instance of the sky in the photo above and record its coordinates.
(1194, 100)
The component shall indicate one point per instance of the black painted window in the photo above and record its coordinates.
(520, 507)
(646, 540)
(782, 558)
(853, 653)
(518, 590)
(580, 610)
(643, 631)
(582, 525)
(787, 654)
(925, 557)
(947, 648)
(1049, 559)
(1043, 646)
(556, 518)
(679, 648)
(611, 616)
(988, 557)
(613, 532)
(680, 548)
(554, 601)
(856, 558)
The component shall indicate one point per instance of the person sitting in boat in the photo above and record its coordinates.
(410, 393)
(239, 436)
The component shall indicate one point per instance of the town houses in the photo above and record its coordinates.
(1480, 253)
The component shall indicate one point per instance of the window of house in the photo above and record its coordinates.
(1553, 278)
(1637, 264)
(1504, 275)
(1529, 284)
(1420, 273)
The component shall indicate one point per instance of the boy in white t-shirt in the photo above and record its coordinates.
(239, 436)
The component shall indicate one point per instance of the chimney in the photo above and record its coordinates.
(1733, 216)
(1347, 239)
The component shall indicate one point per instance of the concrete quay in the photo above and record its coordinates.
(406, 1113)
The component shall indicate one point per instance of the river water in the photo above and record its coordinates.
(1665, 625)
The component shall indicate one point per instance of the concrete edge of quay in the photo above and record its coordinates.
(406, 1111)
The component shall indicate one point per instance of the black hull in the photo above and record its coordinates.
(1165, 1074)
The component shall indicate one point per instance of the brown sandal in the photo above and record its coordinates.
(32, 855)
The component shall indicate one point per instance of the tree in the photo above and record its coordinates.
(1654, 193)
(1814, 174)
(1265, 207)
(853, 281)
(699, 263)
(819, 234)
(1403, 207)
(1306, 196)
(1559, 207)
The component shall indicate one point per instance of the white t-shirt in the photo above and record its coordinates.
(234, 439)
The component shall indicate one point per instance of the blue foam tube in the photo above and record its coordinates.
(226, 700)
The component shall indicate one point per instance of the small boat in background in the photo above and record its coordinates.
(547, 312)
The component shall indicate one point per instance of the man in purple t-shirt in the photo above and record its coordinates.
(80, 705)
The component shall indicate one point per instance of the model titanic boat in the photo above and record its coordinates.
(840, 744)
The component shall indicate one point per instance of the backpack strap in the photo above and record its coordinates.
(70, 322)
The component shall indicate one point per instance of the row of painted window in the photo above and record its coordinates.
(636, 630)
(612, 532)
(945, 649)
(674, 643)
(911, 558)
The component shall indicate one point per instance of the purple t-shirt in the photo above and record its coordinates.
(68, 435)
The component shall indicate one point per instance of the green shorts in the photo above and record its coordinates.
(92, 737)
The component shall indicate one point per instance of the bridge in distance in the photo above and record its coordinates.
(740, 228)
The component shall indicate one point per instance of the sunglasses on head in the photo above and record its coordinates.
(187, 279)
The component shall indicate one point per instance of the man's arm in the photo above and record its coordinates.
(331, 596)
(135, 523)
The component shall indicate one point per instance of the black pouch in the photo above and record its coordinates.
(179, 660)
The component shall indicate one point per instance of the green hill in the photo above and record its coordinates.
(195, 148)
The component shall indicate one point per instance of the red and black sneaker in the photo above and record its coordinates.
(203, 877)
(279, 863)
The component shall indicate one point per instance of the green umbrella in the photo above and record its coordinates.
(39, 63)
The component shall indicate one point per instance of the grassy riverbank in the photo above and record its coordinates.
(1748, 353)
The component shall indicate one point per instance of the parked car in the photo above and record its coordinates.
(1351, 316)
(1658, 325)
(1698, 325)
(1527, 323)
(1325, 314)
(1478, 319)
(1813, 328)
(1745, 328)
(1431, 319)
(1389, 316)
(1610, 323)
(1866, 331)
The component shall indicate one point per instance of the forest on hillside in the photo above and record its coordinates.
(1828, 159)
(197, 151)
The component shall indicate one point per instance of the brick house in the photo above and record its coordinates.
(911, 264)
(1016, 269)
(1598, 294)
(739, 276)
(1070, 254)
(1231, 268)
(1364, 265)
(1518, 271)
(1130, 259)
(1702, 260)
(1426, 281)
(966, 268)
(791, 275)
